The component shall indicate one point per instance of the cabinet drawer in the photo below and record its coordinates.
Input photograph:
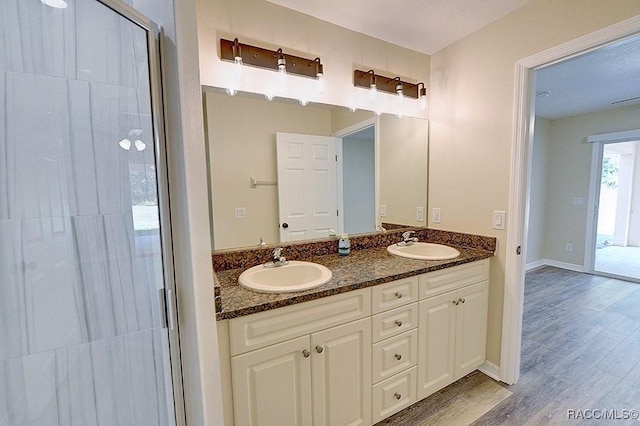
(396, 293)
(449, 279)
(393, 322)
(394, 394)
(265, 328)
(394, 355)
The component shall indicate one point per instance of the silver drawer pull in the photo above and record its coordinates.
(397, 395)
(319, 349)
(398, 357)
(399, 295)
(399, 323)
(306, 353)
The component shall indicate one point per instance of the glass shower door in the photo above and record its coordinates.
(82, 335)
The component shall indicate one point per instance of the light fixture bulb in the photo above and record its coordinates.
(303, 102)
(269, 96)
(231, 91)
(282, 68)
(237, 60)
(125, 144)
(58, 4)
(319, 75)
(399, 88)
(140, 146)
(422, 95)
(373, 89)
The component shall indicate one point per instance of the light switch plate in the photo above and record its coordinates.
(420, 214)
(240, 212)
(436, 215)
(383, 210)
(499, 219)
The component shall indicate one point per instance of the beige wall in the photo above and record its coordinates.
(267, 25)
(568, 176)
(538, 192)
(471, 118)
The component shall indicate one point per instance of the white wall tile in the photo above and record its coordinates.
(13, 320)
(4, 202)
(38, 39)
(37, 127)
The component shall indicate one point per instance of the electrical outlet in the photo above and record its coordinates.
(420, 214)
(568, 247)
(383, 210)
(240, 212)
(436, 215)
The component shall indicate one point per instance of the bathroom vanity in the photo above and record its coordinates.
(384, 333)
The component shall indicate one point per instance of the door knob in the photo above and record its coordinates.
(319, 349)
(398, 357)
(306, 353)
(285, 225)
(397, 395)
(399, 295)
(399, 323)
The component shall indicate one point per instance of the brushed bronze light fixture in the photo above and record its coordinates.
(394, 85)
(277, 60)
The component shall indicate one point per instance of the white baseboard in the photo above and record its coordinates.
(555, 263)
(534, 265)
(491, 370)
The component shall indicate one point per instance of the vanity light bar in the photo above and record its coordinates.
(269, 59)
(385, 84)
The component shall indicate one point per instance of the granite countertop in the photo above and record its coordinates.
(360, 269)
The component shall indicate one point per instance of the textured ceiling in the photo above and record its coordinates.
(591, 82)
(425, 26)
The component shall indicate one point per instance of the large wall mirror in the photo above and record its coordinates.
(282, 172)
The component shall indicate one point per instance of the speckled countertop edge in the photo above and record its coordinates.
(361, 269)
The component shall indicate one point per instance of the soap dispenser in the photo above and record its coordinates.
(344, 245)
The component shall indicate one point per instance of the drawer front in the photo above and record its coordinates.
(394, 394)
(438, 282)
(394, 322)
(396, 293)
(265, 328)
(394, 355)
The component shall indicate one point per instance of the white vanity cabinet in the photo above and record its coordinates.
(319, 375)
(452, 324)
(395, 348)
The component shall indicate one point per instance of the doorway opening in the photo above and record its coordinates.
(617, 228)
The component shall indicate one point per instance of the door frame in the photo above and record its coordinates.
(167, 300)
(520, 172)
(340, 134)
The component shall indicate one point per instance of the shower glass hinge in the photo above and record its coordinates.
(167, 304)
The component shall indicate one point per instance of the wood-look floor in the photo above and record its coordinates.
(580, 352)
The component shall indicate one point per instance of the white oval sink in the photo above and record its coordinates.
(424, 251)
(294, 276)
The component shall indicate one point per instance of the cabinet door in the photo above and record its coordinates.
(436, 340)
(471, 328)
(341, 368)
(272, 386)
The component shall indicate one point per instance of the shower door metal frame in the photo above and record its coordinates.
(169, 303)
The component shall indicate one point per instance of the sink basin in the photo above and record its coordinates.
(424, 251)
(294, 276)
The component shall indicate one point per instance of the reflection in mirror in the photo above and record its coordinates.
(269, 166)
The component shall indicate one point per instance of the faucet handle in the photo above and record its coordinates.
(277, 252)
(408, 234)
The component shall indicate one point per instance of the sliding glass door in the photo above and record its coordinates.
(85, 253)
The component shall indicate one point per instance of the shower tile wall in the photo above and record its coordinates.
(80, 336)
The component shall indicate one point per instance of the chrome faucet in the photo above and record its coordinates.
(278, 259)
(408, 238)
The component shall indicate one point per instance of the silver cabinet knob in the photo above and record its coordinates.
(399, 323)
(397, 395)
(319, 349)
(306, 353)
(398, 357)
(399, 295)
(455, 302)
(461, 300)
